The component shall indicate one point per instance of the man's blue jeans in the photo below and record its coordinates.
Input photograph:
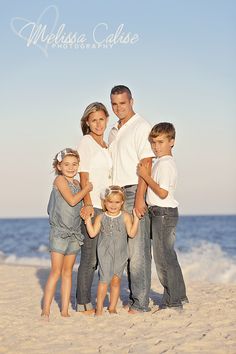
(139, 263)
(164, 221)
(87, 267)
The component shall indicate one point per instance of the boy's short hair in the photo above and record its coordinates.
(119, 89)
(162, 128)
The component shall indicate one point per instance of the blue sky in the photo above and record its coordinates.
(181, 69)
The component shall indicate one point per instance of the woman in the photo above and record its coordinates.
(95, 166)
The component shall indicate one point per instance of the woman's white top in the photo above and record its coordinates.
(95, 160)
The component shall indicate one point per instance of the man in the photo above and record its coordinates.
(129, 145)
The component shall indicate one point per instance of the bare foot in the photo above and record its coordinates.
(45, 317)
(112, 311)
(98, 313)
(65, 314)
(126, 307)
(133, 312)
(87, 312)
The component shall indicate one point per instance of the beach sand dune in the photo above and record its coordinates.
(206, 325)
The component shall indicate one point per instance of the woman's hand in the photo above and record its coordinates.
(135, 216)
(86, 212)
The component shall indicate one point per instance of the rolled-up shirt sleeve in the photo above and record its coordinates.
(164, 176)
(143, 147)
(85, 154)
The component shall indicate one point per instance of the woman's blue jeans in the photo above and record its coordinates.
(87, 267)
(163, 222)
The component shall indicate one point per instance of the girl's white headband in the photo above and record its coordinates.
(62, 154)
(108, 191)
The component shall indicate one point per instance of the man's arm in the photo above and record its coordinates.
(139, 203)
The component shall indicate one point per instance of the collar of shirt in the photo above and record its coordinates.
(115, 129)
(130, 121)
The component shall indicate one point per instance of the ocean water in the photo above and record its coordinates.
(205, 245)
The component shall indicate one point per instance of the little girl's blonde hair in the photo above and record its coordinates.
(112, 190)
(60, 156)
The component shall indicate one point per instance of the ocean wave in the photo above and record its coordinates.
(24, 261)
(204, 262)
(42, 249)
(208, 262)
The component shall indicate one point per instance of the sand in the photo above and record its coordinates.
(206, 325)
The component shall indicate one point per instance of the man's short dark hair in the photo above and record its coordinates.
(117, 90)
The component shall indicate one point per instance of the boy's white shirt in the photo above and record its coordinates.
(164, 172)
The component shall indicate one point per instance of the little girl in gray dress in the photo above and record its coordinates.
(113, 224)
(65, 236)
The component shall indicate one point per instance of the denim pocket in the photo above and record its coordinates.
(170, 221)
(162, 211)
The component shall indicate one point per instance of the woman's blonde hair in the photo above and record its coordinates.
(112, 190)
(93, 107)
(60, 156)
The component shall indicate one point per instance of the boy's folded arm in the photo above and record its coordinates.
(160, 192)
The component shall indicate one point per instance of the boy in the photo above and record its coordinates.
(163, 210)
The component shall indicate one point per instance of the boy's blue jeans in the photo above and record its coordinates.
(164, 221)
(139, 264)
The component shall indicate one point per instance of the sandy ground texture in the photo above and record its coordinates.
(206, 325)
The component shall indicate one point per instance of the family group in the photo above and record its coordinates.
(122, 204)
